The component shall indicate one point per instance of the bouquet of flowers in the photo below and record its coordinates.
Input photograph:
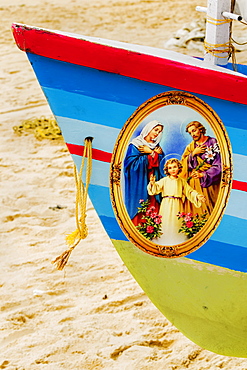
(191, 224)
(150, 225)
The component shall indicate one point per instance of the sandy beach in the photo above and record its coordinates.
(92, 315)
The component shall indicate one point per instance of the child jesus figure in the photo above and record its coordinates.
(174, 190)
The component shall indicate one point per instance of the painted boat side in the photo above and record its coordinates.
(74, 108)
(199, 294)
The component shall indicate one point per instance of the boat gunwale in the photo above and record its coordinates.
(132, 62)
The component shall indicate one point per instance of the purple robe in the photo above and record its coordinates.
(209, 164)
(211, 175)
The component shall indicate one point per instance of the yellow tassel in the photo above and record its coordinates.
(81, 232)
(71, 238)
(62, 260)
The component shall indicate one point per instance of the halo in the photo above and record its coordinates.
(165, 158)
(183, 132)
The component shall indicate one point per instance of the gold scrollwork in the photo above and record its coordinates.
(167, 251)
(116, 173)
(164, 100)
(176, 99)
(226, 175)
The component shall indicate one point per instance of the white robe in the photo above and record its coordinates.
(174, 192)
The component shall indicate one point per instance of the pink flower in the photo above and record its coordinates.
(190, 214)
(189, 224)
(187, 218)
(149, 229)
(141, 200)
(148, 213)
(157, 220)
(152, 208)
(153, 215)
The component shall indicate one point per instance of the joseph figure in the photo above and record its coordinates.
(202, 167)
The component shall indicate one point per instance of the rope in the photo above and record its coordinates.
(218, 22)
(239, 43)
(81, 232)
(226, 48)
(212, 49)
(42, 128)
(232, 51)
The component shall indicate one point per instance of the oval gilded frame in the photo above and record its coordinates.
(164, 99)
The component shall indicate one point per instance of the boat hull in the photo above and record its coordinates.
(93, 89)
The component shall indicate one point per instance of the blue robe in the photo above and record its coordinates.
(136, 175)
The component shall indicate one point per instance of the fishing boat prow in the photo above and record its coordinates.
(168, 145)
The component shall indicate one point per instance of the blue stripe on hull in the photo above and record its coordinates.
(112, 87)
(101, 177)
(237, 215)
(225, 255)
(238, 138)
(85, 108)
(108, 115)
(226, 248)
(92, 82)
(75, 132)
(231, 230)
(100, 197)
(112, 228)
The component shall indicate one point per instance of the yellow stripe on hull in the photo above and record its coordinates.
(206, 303)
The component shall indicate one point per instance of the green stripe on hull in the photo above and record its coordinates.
(206, 303)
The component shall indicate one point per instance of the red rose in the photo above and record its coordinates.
(149, 229)
(189, 224)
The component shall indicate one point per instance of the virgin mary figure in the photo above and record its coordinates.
(142, 159)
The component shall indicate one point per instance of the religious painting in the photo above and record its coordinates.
(170, 174)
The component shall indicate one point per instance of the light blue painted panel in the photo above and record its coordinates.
(100, 172)
(75, 132)
(239, 167)
(237, 204)
(238, 138)
(231, 230)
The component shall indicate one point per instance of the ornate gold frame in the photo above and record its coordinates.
(156, 102)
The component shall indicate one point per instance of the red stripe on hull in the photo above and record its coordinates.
(97, 154)
(144, 67)
(102, 156)
(239, 185)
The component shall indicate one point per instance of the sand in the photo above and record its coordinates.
(92, 315)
